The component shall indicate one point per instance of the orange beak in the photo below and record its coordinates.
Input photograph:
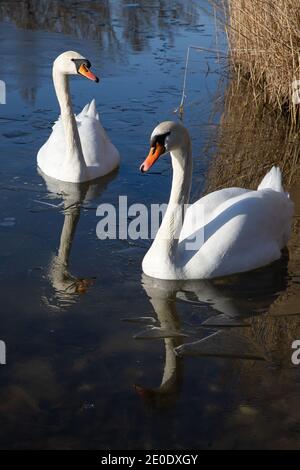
(154, 154)
(83, 70)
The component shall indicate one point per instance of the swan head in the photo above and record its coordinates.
(73, 63)
(168, 136)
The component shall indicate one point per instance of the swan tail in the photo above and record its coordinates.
(89, 110)
(272, 180)
(92, 111)
(83, 112)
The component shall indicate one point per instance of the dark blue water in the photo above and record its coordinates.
(90, 348)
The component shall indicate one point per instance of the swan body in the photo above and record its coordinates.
(78, 149)
(236, 230)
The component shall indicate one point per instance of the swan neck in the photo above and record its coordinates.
(182, 176)
(67, 234)
(165, 309)
(74, 155)
(62, 89)
(180, 194)
(160, 260)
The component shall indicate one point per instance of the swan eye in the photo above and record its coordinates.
(159, 139)
(80, 62)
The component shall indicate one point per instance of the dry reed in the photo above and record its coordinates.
(264, 46)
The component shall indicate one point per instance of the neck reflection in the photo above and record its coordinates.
(68, 287)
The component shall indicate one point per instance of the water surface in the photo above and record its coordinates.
(90, 347)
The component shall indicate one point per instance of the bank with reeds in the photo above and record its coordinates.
(264, 48)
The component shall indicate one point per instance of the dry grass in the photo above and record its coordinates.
(254, 134)
(251, 138)
(264, 45)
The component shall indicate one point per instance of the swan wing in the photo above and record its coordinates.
(236, 231)
(98, 151)
(203, 210)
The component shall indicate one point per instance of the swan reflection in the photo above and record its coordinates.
(162, 295)
(68, 287)
(230, 319)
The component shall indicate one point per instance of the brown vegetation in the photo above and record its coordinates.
(264, 44)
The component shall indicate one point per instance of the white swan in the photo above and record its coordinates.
(78, 149)
(236, 229)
